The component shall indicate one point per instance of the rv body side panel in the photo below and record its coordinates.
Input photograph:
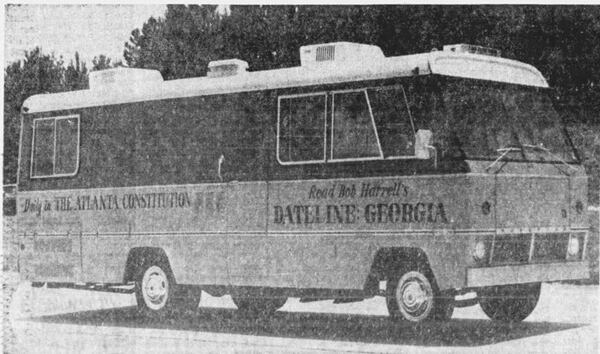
(165, 174)
(302, 234)
(338, 225)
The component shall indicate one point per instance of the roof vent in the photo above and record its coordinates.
(123, 77)
(344, 53)
(472, 49)
(227, 67)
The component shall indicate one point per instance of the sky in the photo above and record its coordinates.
(63, 30)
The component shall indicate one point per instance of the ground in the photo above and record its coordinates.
(64, 320)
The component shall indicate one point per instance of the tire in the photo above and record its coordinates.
(410, 297)
(259, 306)
(154, 289)
(509, 303)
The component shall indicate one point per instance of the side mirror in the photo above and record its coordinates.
(423, 144)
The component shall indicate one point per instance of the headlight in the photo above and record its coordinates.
(479, 251)
(573, 247)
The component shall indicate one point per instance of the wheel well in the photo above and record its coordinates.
(390, 261)
(140, 256)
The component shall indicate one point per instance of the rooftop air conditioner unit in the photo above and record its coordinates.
(339, 53)
(227, 67)
(472, 49)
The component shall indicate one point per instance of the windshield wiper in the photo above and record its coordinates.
(506, 150)
(553, 155)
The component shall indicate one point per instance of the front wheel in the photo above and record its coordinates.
(509, 303)
(415, 297)
(410, 297)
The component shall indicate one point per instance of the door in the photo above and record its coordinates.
(50, 240)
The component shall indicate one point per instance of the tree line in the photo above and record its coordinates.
(563, 42)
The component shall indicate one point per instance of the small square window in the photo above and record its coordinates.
(55, 151)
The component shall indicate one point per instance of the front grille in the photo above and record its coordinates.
(547, 247)
(511, 249)
(550, 247)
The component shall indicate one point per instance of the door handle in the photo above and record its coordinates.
(220, 162)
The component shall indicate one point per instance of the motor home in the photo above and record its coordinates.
(417, 178)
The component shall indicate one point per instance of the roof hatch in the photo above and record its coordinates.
(345, 53)
(123, 77)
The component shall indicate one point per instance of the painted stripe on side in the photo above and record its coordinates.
(346, 233)
(333, 179)
(259, 233)
(536, 230)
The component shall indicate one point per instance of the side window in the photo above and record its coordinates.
(67, 146)
(353, 134)
(301, 128)
(43, 148)
(394, 121)
(55, 151)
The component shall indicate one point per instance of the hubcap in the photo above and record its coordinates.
(415, 298)
(155, 288)
(414, 295)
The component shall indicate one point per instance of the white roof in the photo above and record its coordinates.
(463, 65)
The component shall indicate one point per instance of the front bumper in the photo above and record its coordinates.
(526, 273)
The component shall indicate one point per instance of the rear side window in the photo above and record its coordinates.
(55, 150)
(301, 128)
(353, 133)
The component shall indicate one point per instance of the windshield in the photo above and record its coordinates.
(485, 117)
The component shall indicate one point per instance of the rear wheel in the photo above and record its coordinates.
(259, 306)
(154, 290)
(510, 303)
